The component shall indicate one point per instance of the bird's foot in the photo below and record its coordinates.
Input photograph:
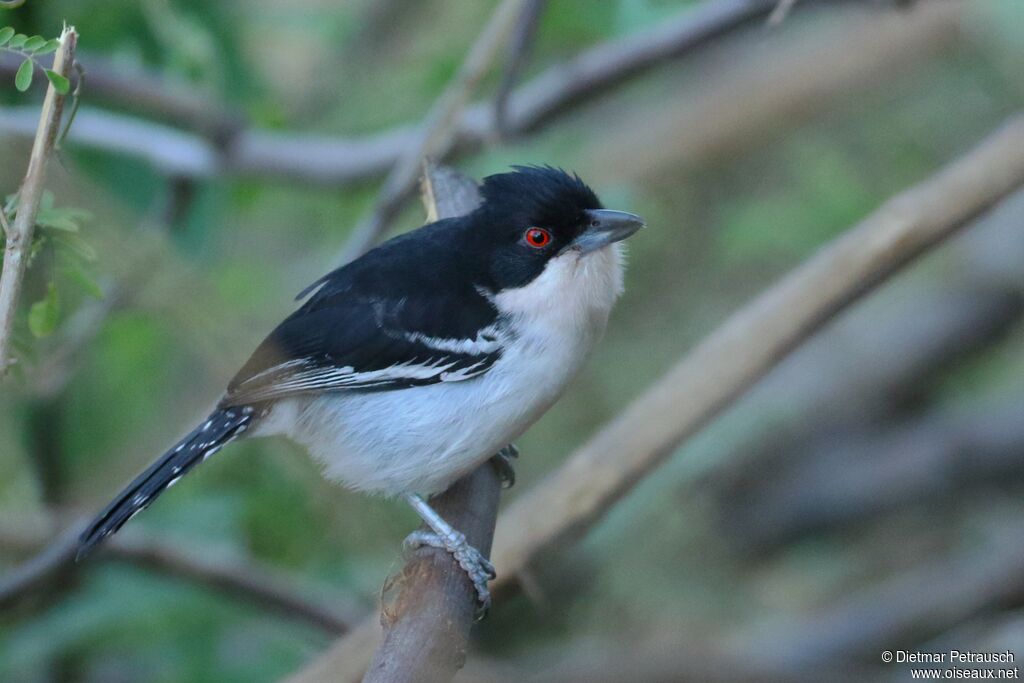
(477, 567)
(502, 462)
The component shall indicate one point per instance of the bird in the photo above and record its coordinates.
(413, 364)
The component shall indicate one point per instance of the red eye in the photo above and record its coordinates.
(537, 237)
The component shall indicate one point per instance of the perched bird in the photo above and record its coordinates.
(415, 363)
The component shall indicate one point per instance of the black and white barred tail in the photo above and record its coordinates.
(222, 427)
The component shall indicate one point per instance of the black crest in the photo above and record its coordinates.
(541, 195)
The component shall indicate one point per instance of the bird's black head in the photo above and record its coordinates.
(537, 213)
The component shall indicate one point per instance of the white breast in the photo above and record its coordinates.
(423, 438)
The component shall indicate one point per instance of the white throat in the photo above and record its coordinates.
(572, 296)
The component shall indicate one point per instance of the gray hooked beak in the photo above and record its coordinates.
(605, 226)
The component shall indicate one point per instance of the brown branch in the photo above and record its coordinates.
(437, 132)
(19, 236)
(803, 471)
(917, 604)
(337, 160)
(781, 11)
(518, 53)
(149, 93)
(223, 571)
(753, 341)
(750, 343)
(839, 642)
(430, 606)
(847, 479)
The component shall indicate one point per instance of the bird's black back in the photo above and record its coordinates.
(368, 315)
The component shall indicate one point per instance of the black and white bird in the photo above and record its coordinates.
(412, 365)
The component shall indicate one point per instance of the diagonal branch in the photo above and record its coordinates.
(19, 234)
(226, 572)
(752, 341)
(519, 52)
(710, 378)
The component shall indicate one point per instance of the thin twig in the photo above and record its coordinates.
(223, 571)
(842, 480)
(712, 376)
(437, 131)
(781, 11)
(152, 94)
(518, 54)
(76, 101)
(917, 604)
(429, 607)
(19, 236)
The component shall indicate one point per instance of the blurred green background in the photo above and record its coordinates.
(744, 158)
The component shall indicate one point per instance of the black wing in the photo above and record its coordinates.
(350, 335)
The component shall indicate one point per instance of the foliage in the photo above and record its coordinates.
(31, 48)
(207, 280)
(57, 234)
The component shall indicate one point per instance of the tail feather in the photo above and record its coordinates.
(223, 426)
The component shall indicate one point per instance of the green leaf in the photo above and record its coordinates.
(6, 33)
(76, 244)
(60, 84)
(18, 40)
(86, 282)
(43, 315)
(33, 43)
(23, 78)
(50, 46)
(66, 218)
(57, 221)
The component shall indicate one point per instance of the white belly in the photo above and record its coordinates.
(422, 439)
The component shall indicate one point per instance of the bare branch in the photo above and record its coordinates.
(751, 342)
(150, 93)
(907, 608)
(781, 11)
(849, 478)
(430, 606)
(219, 570)
(19, 236)
(336, 160)
(437, 131)
(519, 51)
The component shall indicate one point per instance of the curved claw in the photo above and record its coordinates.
(477, 567)
(502, 462)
